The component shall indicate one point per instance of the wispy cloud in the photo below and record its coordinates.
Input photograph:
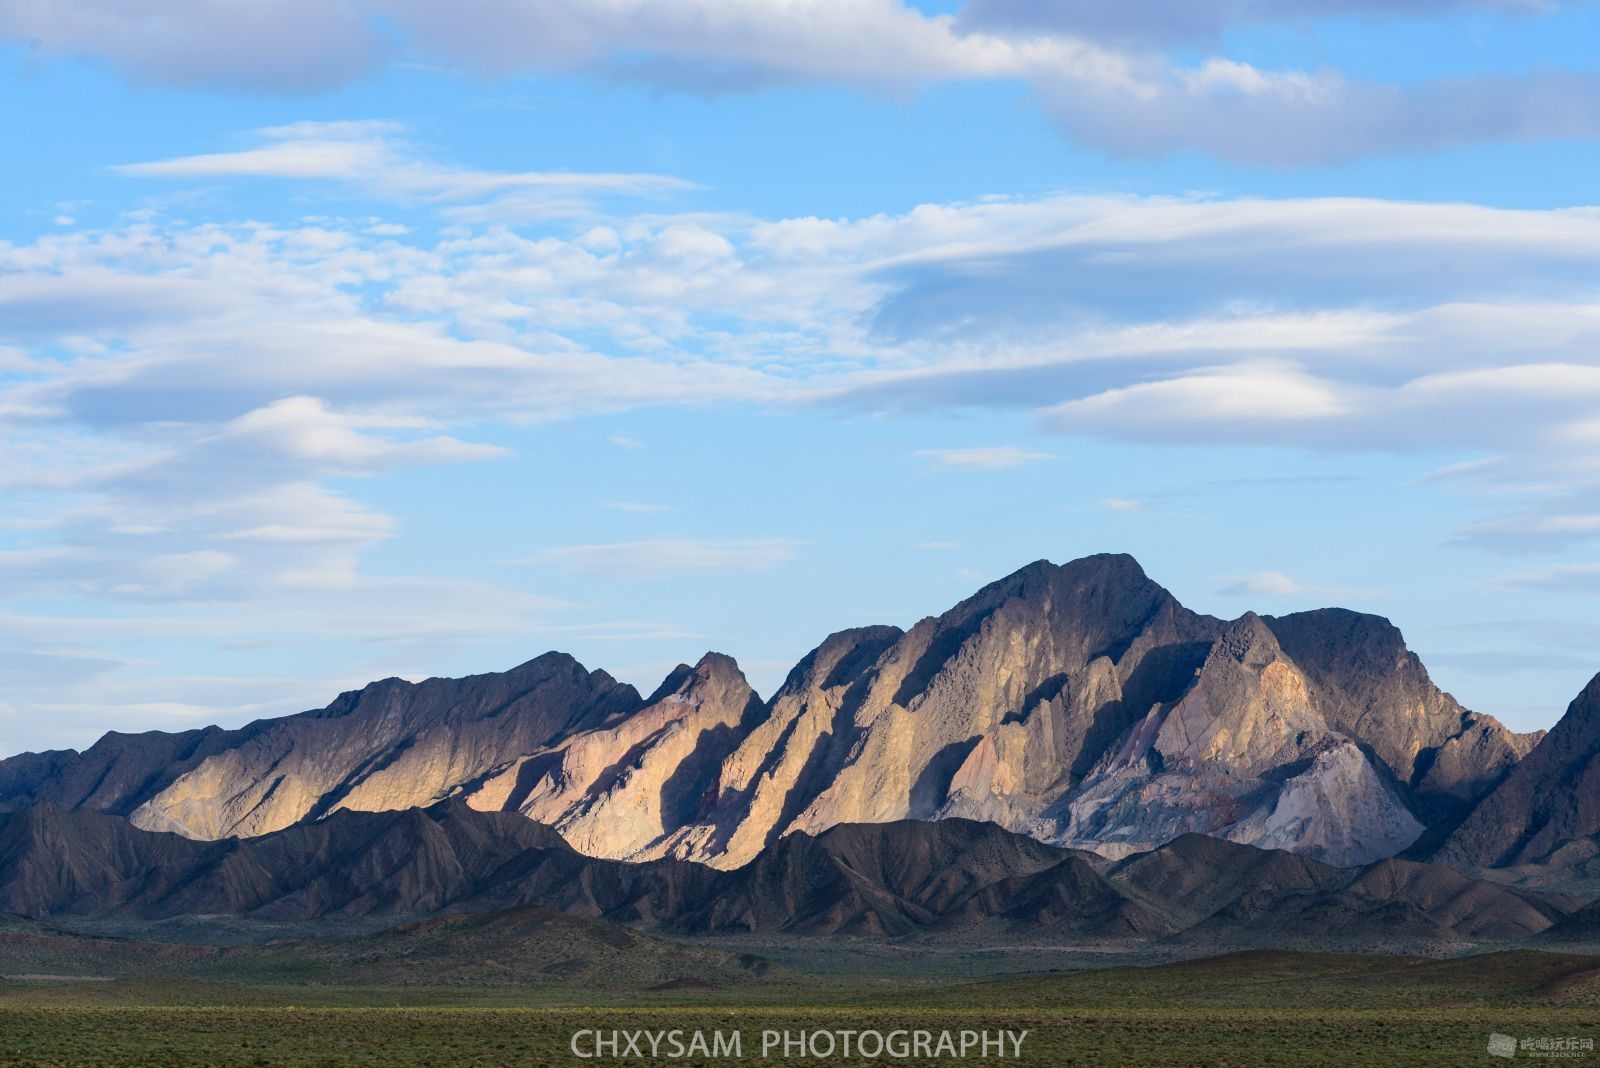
(984, 458)
(378, 158)
(1277, 584)
(1555, 578)
(622, 631)
(673, 557)
(1531, 531)
(1504, 662)
(221, 374)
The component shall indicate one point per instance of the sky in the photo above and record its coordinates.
(342, 339)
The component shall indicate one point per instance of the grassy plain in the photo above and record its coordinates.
(1248, 1009)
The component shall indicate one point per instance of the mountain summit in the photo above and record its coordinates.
(1078, 704)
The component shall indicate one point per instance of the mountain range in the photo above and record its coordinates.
(1069, 747)
(880, 879)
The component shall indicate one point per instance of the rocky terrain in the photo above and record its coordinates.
(1079, 704)
(941, 877)
(1547, 811)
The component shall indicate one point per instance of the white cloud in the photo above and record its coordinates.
(1101, 76)
(984, 457)
(1277, 584)
(280, 45)
(1265, 583)
(622, 631)
(1531, 531)
(741, 44)
(340, 151)
(1124, 506)
(1199, 22)
(192, 388)
(377, 158)
(623, 441)
(1242, 396)
(673, 557)
(304, 431)
(175, 574)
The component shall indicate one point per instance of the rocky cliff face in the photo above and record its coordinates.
(992, 711)
(1244, 754)
(1549, 804)
(392, 745)
(1079, 704)
(1368, 685)
(1084, 706)
(618, 790)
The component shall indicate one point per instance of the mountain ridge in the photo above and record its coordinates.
(1080, 704)
(941, 878)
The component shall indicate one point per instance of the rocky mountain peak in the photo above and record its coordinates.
(718, 667)
(619, 788)
(1368, 685)
(675, 681)
(1583, 714)
(1247, 641)
(710, 670)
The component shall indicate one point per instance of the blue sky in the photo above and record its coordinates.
(368, 337)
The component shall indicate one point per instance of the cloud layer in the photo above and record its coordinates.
(1103, 71)
(190, 412)
(146, 358)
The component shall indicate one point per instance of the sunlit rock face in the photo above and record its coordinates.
(618, 790)
(1084, 706)
(1244, 754)
(1079, 704)
(392, 745)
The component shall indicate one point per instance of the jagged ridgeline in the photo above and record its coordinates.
(1080, 705)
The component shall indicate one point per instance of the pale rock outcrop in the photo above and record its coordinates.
(618, 790)
(807, 729)
(1242, 755)
(1339, 811)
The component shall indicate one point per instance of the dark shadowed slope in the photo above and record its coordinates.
(1549, 799)
(1195, 877)
(1234, 893)
(526, 946)
(894, 878)
(875, 880)
(1367, 684)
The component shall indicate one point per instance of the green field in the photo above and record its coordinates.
(1243, 1009)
